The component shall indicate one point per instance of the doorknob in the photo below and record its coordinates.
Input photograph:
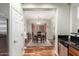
(14, 41)
(22, 34)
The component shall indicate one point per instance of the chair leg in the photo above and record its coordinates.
(36, 41)
(41, 40)
(33, 41)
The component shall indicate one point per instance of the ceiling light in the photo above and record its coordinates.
(38, 23)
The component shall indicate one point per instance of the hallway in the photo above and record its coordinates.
(40, 31)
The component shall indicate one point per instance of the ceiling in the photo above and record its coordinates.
(39, 17)
(42, 15)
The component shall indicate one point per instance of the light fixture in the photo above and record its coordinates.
(38, 23)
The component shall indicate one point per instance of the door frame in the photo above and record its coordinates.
(56, 24)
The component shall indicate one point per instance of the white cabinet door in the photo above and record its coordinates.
(60, 49)
(63, 51)
(17, 33)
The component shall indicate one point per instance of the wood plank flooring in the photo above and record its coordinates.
(3, 45)
(39, 51)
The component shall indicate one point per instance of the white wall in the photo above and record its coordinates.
(63, 19)
(74, 24)
(4, 9)
(78, 17)
(73, 14)
(50, 29)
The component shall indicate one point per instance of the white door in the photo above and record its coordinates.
(17, 33)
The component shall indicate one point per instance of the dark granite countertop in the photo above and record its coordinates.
(70, 44)
(74, 46)
(63, 39)
(74, 33)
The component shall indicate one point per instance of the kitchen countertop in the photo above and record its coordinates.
(74, 46)
(74, 34)
(70, 44)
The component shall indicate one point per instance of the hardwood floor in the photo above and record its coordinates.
(39, 51)
(3, 45)
(3, 52)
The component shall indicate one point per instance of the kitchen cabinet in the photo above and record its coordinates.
(63, 51)
(73, 51)
(60, 50)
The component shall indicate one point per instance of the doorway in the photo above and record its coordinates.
(41, 32)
